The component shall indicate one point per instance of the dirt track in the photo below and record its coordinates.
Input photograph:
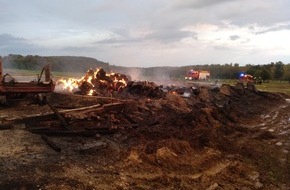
(213, 140)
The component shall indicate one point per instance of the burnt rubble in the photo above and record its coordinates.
(140, 129)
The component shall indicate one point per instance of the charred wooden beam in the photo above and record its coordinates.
(87, 133)
(106, 108)
(153, 123)
(49, 114)
(95, 108)
(127, 125)
(5, 126)
(132, 121)
(108, 122)
(50, 143)
(114, 106)
(80, 109)
(32, 116)
(59, 116)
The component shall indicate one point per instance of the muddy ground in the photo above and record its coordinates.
(216, 139)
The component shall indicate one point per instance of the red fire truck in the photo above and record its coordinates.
(197, 75)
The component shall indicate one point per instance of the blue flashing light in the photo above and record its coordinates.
(241, 75)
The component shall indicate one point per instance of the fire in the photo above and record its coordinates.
(69, 84)
(91, 92)
(95, 82)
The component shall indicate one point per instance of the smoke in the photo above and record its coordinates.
(164, 76)
(59, 88)
(7, 62)
(135, 74)
(158, 75)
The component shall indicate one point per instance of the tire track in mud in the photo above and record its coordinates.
(277, 123)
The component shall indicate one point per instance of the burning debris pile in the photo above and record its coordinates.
(100, 83)
(96, 83)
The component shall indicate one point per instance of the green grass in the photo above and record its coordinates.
(275, 86)
(271, 86)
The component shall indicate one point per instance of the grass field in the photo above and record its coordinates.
(275, 86)
(271, 86)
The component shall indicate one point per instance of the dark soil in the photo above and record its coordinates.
(215, 139)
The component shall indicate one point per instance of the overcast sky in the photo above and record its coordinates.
(149, 32)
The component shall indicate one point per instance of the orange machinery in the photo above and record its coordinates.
(9, 86)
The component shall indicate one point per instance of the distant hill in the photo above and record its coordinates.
(82, 64)
(57, 63)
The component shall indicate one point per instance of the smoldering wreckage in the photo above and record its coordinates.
(105, 131)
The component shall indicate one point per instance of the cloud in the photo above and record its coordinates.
(11, 44)
(167, 36)
(7, 40)
(143, 33)
(196, 4)
(237, 12)
(234, 37)
(274, 29)
(260, 12)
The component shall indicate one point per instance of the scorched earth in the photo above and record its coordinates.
(147, 138)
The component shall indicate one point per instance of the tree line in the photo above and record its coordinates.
(271, 71)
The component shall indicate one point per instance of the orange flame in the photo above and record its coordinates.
(69, 84)
(112, 81)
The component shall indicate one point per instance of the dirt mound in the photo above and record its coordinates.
(180, 147)
(212, 139)
(177, 103)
